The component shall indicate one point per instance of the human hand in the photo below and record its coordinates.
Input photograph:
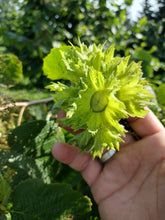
(131, 185)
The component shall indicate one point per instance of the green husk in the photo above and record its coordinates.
(103, 89)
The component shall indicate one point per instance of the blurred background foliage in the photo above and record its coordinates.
(28, 30)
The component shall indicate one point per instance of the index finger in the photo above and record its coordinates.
(146, 126)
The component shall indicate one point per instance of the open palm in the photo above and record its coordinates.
(131, 185)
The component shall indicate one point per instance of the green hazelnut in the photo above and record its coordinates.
(99, 101)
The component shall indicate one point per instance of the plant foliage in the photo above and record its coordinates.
(28, 30)
(5, 191)
(31, 171)
(33, 199)
(104, 89)
(10, 69)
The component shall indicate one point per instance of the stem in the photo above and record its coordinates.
(24, 105)
(21, 115)
(21, 104)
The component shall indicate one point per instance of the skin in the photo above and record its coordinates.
(131, 184)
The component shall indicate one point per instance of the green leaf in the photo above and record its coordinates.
(128, 2)
(30, 154)
(33, 199)
(10, 69)
(143, 21)
(55, 68)
(161, 94)
(35, 138)
(143, 55)
(5, 191)
(19, 167)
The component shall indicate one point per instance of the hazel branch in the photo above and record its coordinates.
(23, 106)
